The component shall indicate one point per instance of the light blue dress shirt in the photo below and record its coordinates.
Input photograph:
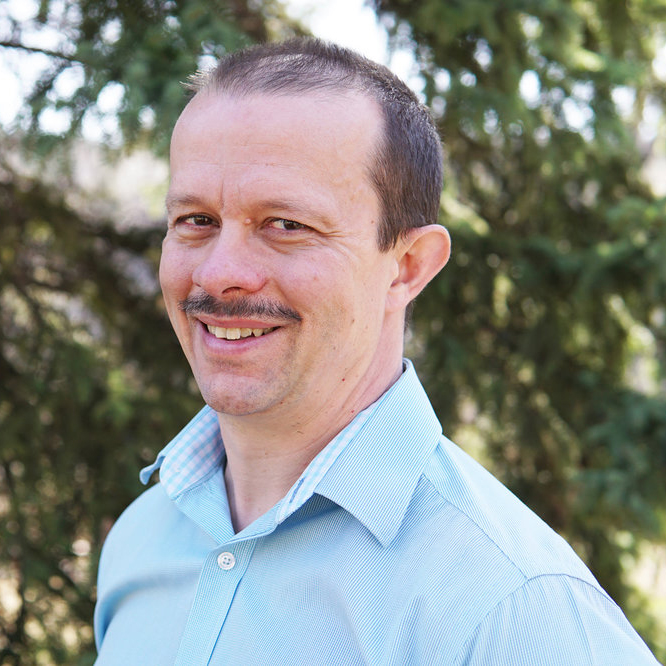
(393, 548)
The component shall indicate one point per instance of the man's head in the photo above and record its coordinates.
(286, 296)
(406, 165)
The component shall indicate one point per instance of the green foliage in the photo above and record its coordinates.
(137, 51)
(545, 338)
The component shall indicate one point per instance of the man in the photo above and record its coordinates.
(312, 512)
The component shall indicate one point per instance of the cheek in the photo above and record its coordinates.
(174, 275)
(348, 301)
(176, 283)
(321, 295)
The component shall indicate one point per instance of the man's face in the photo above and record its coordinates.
(272, 219)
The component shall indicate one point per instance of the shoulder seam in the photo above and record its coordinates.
(476, 524)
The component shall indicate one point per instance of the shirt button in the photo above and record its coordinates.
(226, 561)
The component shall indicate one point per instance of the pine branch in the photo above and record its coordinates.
(11, 44)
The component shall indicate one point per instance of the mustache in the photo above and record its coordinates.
(242, 307)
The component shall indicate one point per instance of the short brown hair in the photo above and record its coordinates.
(406, 170)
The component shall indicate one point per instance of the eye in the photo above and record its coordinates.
(195, 220)
(285, 225)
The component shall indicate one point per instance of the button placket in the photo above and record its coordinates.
(216, 588)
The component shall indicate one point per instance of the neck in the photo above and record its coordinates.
(267, 453)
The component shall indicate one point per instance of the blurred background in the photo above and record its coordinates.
(542, 344)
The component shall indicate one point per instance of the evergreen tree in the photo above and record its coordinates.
(543, 343)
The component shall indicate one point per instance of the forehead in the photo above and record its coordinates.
(326, 141)
(348, 124)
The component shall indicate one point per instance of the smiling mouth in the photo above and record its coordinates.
(237, 333)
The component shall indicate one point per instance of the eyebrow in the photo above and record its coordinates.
(297, 207)
(173, 200)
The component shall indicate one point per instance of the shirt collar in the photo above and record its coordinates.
(190, 457)
(375, 476)
(370, 468)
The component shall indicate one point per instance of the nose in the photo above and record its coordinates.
(231, 264)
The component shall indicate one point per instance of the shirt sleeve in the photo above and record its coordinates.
(553, 620)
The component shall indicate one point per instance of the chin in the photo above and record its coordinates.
(241, 392)
(236, 403)
(232, 408)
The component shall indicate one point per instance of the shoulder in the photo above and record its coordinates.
(495, 519)
(149, 532)
(152, 540)
(521, 594)
(151, 506)
(552, 620)
(131, 532)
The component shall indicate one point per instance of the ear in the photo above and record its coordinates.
(420, 256)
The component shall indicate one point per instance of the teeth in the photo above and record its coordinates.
(237, 333)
